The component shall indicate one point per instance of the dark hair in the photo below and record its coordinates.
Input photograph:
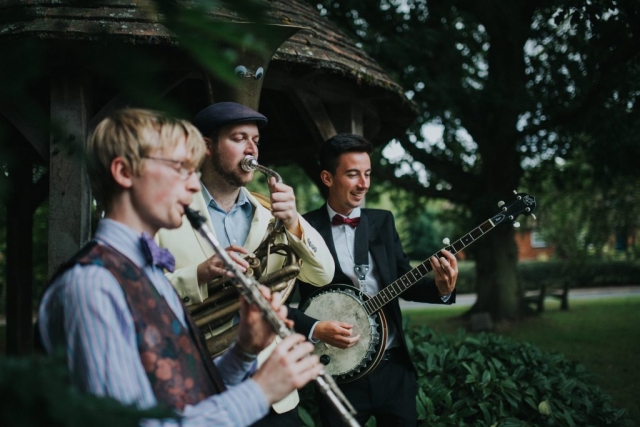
(340, 144)
(215, 134)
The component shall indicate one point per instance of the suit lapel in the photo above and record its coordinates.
(259, 223)
(322, 224)
(377, 249)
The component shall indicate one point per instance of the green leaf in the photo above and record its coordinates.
(306, 419)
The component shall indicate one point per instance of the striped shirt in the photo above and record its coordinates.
(85, 312)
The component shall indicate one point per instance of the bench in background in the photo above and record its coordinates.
(537, 297)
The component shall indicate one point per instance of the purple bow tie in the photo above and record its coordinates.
(340, 220)
(156, 255)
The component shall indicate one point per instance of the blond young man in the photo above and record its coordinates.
(125, 331)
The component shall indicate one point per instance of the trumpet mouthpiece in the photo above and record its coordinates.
(249, 163)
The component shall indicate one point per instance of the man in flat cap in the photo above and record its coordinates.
(240, 222)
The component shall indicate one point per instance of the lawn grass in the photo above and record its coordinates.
(602, 334)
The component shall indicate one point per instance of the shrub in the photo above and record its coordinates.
(35, 391)
(488, 380)
(579, 274)
(587, 274)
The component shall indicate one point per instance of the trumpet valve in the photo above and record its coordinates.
(253, 261)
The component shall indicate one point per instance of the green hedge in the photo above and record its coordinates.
(35, 391)
(534, 274)
(489, 381)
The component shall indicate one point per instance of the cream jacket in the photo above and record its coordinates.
(190, 249)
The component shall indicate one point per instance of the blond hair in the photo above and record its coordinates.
(131, 134)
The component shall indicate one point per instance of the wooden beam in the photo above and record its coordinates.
(34, 133)
(122, 100)
(347, 118)
(69, 191)
(313, 114)
(115, 103)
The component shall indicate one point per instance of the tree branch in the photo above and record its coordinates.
(411, 184)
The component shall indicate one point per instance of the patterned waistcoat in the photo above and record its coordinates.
(175, 360)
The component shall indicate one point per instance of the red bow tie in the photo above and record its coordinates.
(340, 220)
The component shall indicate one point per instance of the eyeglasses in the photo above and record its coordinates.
(184, 172)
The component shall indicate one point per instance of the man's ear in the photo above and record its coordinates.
(326, 177)
(121, 172)
(207, 144)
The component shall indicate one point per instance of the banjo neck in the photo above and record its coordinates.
(389, 293)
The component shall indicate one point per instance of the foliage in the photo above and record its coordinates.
(35, 391)
(583, 274)
(454, 59)
(488, 380)
(581, 209)
(421, 223)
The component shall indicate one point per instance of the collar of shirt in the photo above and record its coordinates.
(242, 203)
(122, 238)
(232, 227)
(355, 213)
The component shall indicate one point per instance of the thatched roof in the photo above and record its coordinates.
(321, 45)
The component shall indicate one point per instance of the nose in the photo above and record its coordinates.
(363, 182)
(251, 149)
(193, 182)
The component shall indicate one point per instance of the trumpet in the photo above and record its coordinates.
(250, 163)
(249, 289)
(222, 304)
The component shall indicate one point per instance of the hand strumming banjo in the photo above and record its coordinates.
(348, 304)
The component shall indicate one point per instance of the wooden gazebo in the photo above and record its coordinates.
(313, 85)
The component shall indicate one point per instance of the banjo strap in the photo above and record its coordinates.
(361, 251)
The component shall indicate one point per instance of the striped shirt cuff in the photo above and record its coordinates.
(245, 403)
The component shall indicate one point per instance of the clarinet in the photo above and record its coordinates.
(249, 289)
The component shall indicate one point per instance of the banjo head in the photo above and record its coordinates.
(345, 304)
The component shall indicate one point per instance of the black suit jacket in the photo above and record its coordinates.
(390, 259)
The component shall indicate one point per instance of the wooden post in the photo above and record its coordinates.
(69, 191)
(19, 259)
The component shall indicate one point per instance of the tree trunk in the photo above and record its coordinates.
(499, 292)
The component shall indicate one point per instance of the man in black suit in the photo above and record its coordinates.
(389, 391)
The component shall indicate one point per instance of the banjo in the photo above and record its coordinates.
(351, 305)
